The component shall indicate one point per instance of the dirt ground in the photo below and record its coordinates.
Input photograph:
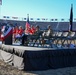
(6, 69)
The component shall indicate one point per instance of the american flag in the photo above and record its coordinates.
(27, 26)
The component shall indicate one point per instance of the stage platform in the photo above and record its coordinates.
(35, 58)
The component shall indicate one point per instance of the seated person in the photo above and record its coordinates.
(25, 35)
(24, 39)
(37, 31)
(32, 30)
(49, 31)
(19, 33)
(15, 32)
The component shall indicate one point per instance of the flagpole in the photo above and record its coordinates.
(71, 18)
(57, 26)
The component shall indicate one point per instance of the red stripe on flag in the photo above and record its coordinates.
(27, 25)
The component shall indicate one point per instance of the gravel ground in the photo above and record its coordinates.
(6, 69)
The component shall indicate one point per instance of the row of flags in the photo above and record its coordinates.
(34, 19)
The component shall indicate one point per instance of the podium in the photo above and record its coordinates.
(8, 37)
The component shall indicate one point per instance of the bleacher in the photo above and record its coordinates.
(60, 26)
